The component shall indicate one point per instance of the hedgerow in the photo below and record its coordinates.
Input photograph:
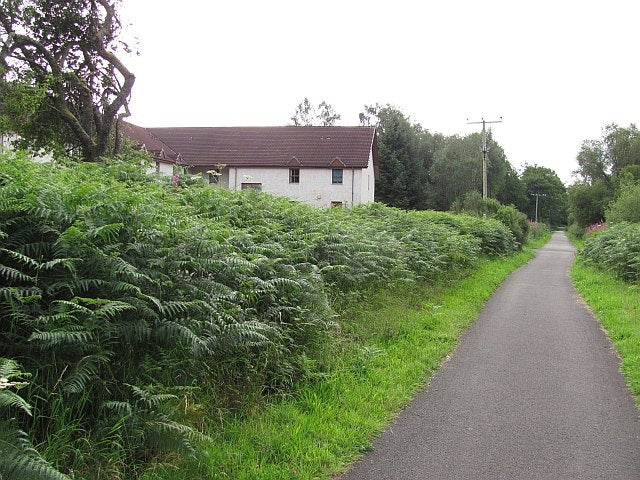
(616, 248)
(128, 300)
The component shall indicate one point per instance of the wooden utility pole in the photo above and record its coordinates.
(485, 150)
(538, 195)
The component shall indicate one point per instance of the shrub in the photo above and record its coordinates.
(472, 203)
(596, 227)
(537, 230)
(626, 207)
(616, 248)
(515, 220)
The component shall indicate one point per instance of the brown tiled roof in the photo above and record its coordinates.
(142, 138)
(270, 146)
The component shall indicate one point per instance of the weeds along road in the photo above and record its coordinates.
(532, 391)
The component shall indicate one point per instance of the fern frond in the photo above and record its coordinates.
(7, 293)
(83, 285)
(10, 369)
(247, 334)
(174, 309)
(62, 337)
(84, 371)
(176, 332)
(12, 399)
(68, 263)
(35, 249)
(14, 275)
(167, 435)
(131, 331)
(21, 258)
(150, 399)
(19, 460)
(112, 310)
(73, 306)
(121, 408)
(284, 284)
(106, 233)
(124, 287)
(122, 267)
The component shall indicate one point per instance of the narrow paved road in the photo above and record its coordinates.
(533, 391)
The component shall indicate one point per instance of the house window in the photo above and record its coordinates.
(294, 175)
(251, 186)
(336, 175)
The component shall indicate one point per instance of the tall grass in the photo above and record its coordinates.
(132, 303)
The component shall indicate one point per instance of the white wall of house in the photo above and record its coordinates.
(6, 146)
(165, 168)
(315, 186)
(368, 182)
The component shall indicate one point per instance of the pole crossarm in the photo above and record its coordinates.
(485, 150)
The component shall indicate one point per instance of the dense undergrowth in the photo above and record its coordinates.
(131, 309)
(616, 248)
(387, 350)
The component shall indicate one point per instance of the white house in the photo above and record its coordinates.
(6, 145)
(322, 166)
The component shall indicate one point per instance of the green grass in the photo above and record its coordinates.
(385, 352)
(539, 242)
(616, 304)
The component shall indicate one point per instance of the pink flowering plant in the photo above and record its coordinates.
(596, 227)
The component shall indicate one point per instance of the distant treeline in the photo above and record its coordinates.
(421, 170)
(608, 188)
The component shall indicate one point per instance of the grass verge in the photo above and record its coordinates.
(539, 242)
(616, 304)
(386, 352)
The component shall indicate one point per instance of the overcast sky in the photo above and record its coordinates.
(556, 71)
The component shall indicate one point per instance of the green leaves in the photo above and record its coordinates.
(123, 290)
(616, 248)
(18, 458)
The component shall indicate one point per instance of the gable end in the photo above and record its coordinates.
(337, 162)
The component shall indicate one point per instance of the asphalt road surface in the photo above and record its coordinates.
(533, 391)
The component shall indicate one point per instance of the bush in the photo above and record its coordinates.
(472, 203)
(537, 230)
(626, 207)
(515, 220)
(616, 248)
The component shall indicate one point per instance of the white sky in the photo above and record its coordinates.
(557, 71)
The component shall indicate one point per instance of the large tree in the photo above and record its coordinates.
(587, 202)
(618, 150)
(307, 115)
(606, 168)
(63, 58)
(457, 170)
(406, 152)
(552, 202)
